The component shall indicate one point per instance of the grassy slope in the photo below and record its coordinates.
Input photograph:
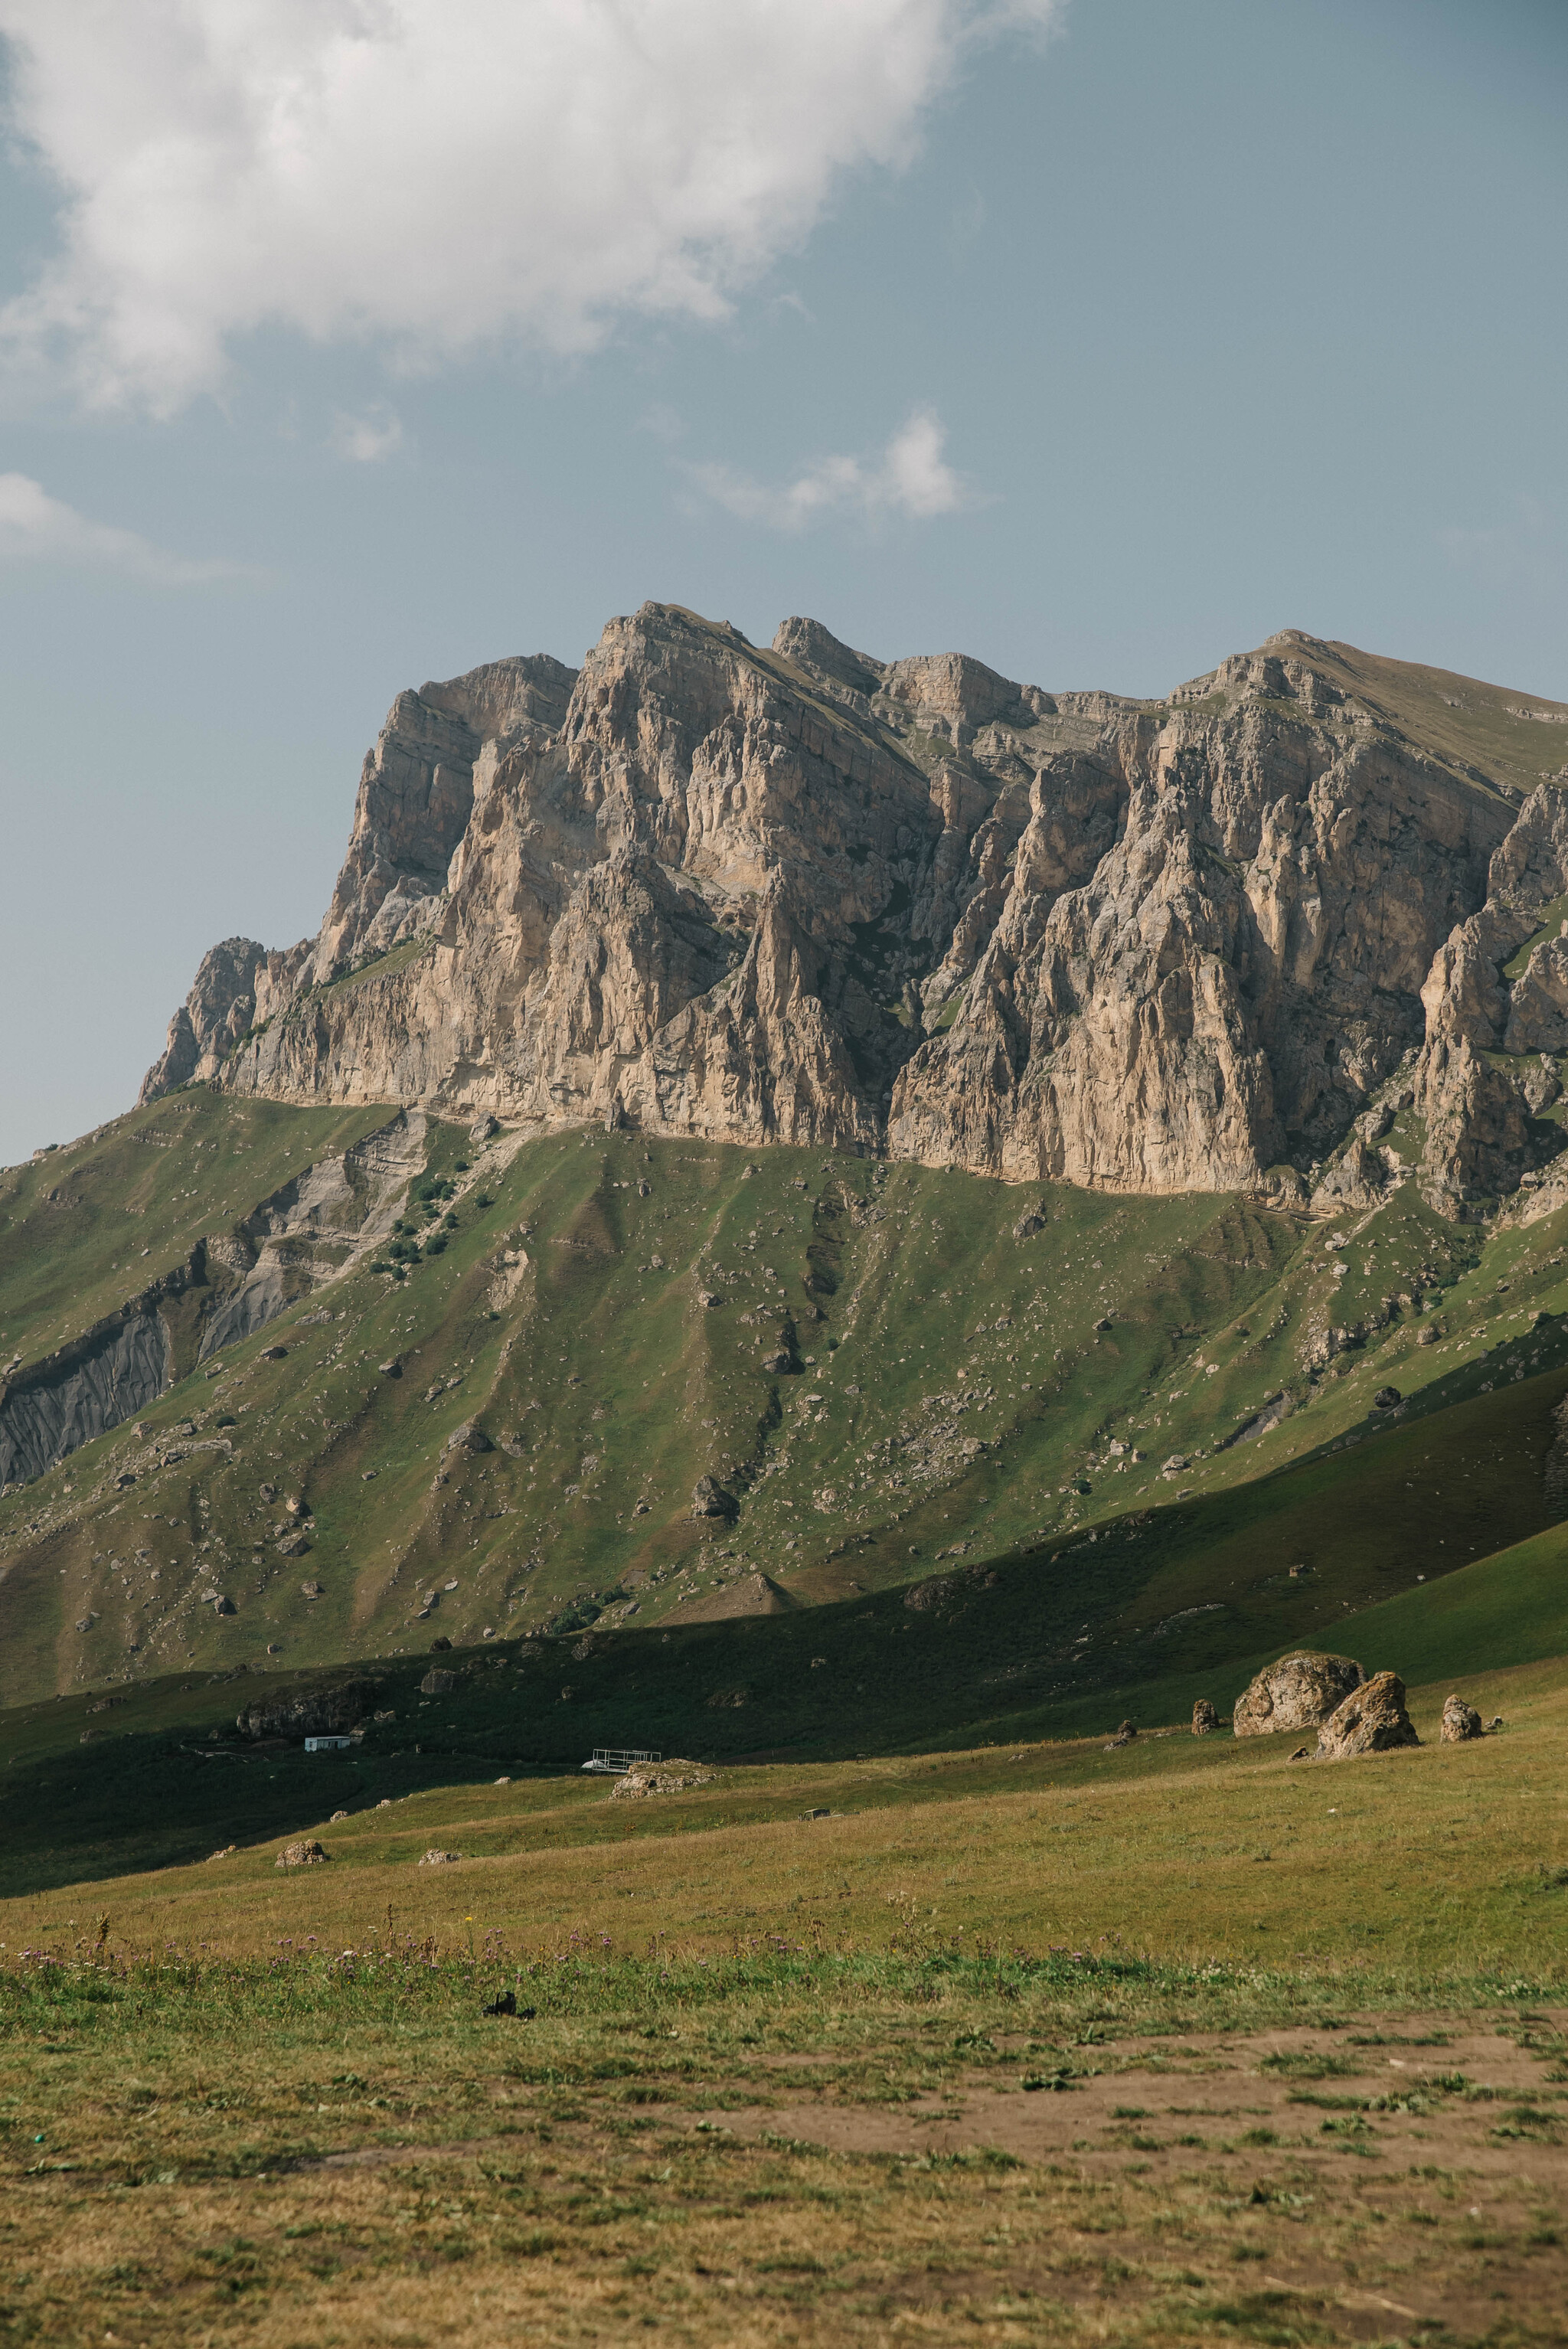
(953, 1396)
(83, 1228)
(1156, 1847)
(1461, 720)
(156, 1776)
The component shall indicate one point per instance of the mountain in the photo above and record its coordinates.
(912, 908)
(597, 1226)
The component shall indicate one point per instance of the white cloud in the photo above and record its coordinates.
(439, 174)
(911, 477)
(367, 438)
(37, 528)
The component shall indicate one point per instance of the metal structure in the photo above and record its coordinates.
(618, 1759)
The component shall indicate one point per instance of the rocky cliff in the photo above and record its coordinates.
(1218, 941)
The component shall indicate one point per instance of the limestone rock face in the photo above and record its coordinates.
(1298, 1693)
(803, 895)
(1462, 1721)
(1372, 1720)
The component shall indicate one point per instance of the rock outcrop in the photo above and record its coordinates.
(803, 894)
(1300, 1691)
(659, 1778)
(309, 1712)
(1372, 1720)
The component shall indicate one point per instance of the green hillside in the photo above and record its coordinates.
(898, 1372)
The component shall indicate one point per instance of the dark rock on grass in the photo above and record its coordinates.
(436, 1683)
(1461, 1722)
(441, 1646)
(469, 1438)
(710, 1500)
(1386, 1398)
(1372, 1720)
(1205, 1720)
(309, 1712)
(1298, 1693)
(505, 2004)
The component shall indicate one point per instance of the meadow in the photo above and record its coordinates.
(1179, 2041)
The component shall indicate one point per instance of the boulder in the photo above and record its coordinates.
(469, 1438)
(309, 1712)
(1461, 1722)
(1386, 1398)
(1298, 1693)
(440, 1859)
(1372, 1720)
(308, 1854)
(659, 1778)
(710, 1500)
(436, 1683)
(1205, 1720)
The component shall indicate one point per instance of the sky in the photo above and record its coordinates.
(349, 343)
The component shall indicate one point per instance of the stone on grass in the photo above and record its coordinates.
(469, 1438)
(1300, 1691)
(440, 1859)
(308, 1854)
(1205, 1720)
(1372, 1720)
(1460, 1721)
(710, 1500)
(436, 1683)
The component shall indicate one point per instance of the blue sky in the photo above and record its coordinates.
(382, 337)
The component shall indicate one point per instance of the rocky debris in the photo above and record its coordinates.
(1176, 1464)
(1462, 1721)
(439, 1859)
(1124, 1736)
(710, 1500)
(295, 1547)
(307, 1853)
(660, 1778)
(1386, 1398)
(274, 1353)
(312, 1589)
(392, 1370)
(469, 1438)
(1371, 1720)
(327, 1712)
(436, 1683)
(1103, 1324)
(336, 1817)
(1300, 1691)
(221, 1605)
(1205, 1720)
(227, 1853)
(710, 1297)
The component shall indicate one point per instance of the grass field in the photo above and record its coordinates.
(1179, 2041)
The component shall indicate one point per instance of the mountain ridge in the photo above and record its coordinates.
(915, 909)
